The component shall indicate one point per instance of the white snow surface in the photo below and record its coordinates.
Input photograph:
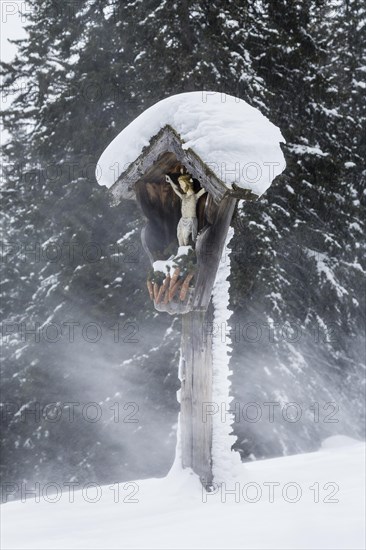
(232, 138)
(175, 512)
(168, 266)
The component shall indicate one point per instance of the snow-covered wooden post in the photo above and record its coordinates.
(186, 161)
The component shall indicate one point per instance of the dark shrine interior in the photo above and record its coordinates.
(162, 207)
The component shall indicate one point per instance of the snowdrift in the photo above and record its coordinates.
(310, 501)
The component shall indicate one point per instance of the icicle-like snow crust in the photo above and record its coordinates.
(225, 461)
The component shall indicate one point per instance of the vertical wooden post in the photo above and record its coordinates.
(196, 390)
(196, 351)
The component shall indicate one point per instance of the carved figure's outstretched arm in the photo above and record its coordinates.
(200, 193)
(174, 187)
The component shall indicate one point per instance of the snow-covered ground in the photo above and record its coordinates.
(307, 501)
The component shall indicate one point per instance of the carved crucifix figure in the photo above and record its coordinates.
(188, 223)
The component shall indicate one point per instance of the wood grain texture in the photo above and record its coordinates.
(209, 249)
(196, 390)
(168, 141)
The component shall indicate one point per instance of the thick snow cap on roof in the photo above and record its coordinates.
(237, 142)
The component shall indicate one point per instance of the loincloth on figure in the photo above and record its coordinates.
(187, 227)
